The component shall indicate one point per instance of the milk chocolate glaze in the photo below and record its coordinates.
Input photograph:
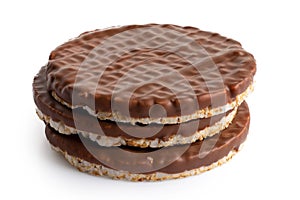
(77, 75)
(132, 158)
(85, 122)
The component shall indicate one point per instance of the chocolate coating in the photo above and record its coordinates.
(132, 159)
(59, 113)
(78, 70)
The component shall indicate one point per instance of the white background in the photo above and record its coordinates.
(267, 167)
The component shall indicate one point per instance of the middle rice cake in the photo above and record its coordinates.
(109, 133)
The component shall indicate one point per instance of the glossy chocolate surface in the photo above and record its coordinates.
(85, 122)
(149, 70)
(134, 159)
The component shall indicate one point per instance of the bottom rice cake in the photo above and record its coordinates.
(152, 164)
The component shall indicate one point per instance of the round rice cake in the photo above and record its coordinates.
(151, 73)
(109, 133)
(138, 164)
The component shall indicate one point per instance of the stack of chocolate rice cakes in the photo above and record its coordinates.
(146, 102)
